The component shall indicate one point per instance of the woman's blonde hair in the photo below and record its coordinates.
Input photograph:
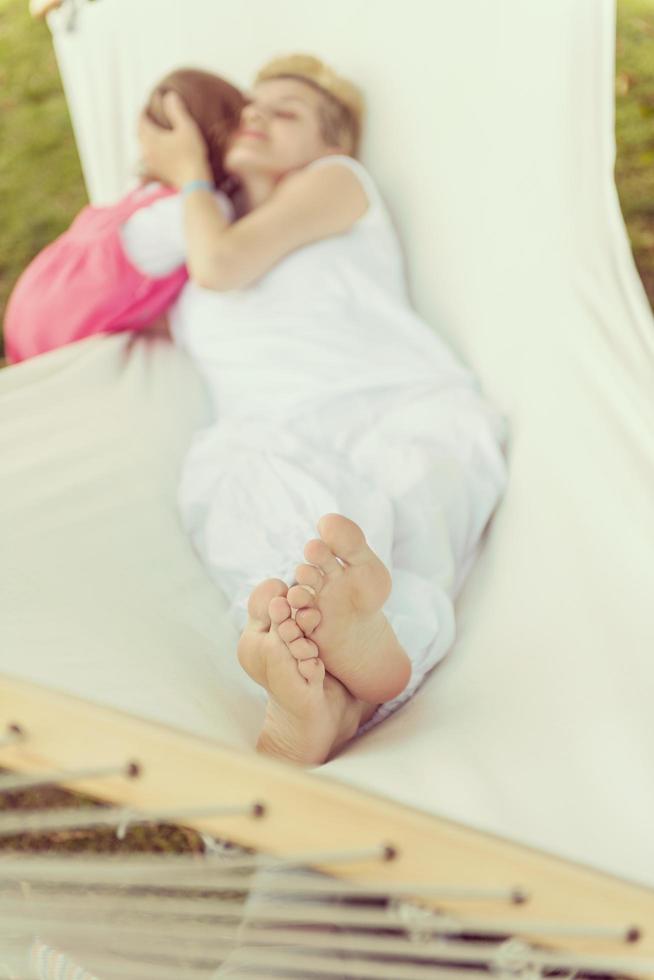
(342, 108)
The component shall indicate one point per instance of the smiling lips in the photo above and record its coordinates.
(250, 132)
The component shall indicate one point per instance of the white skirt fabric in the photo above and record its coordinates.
(420, 472)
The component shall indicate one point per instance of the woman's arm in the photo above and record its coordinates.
(306, 206)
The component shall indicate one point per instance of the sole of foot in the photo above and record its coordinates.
(338, 603)
(309, 714)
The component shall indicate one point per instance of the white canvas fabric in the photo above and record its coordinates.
(491, 137)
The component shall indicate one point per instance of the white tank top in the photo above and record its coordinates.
(330, 319)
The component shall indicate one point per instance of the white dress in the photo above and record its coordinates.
(331, 395)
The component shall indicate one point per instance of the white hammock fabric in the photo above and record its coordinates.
(491, 136)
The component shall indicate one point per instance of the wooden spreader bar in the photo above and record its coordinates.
(355, 836)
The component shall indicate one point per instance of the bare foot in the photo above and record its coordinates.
(309, 714)
(339, 606)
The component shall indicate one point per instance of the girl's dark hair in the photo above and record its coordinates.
(216, 106)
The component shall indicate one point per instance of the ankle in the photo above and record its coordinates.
(353, 711)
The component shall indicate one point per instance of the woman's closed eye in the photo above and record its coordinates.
(285, 113)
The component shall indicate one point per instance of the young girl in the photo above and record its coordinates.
(336, 407)
(104, 274)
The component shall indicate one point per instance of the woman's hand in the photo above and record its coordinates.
(178, 155)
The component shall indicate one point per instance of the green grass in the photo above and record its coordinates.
(634, 111)
(41, 184)
(158, 837)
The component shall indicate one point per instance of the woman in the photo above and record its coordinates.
(331, 398)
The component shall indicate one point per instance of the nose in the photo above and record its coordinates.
(252, 114)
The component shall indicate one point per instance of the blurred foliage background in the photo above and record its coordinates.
(41, 185)
(634, 127)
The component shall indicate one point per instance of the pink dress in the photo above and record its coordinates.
(84, 284)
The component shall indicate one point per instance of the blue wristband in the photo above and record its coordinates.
(196, 185)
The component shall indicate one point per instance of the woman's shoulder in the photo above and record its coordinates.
(342, 159)
(345, 160)
(375, 200)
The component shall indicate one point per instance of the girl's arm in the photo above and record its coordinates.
(154, 239)
(306, 206)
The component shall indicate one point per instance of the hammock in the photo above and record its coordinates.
(490, 134)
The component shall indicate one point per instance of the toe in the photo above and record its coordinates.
(313, 671)
(308, 620)
(303, 649)
(344, 538)
(279, 611)
(309, 575)
(260, 599)
(319, 553)
(300, 598)
(289, 630)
